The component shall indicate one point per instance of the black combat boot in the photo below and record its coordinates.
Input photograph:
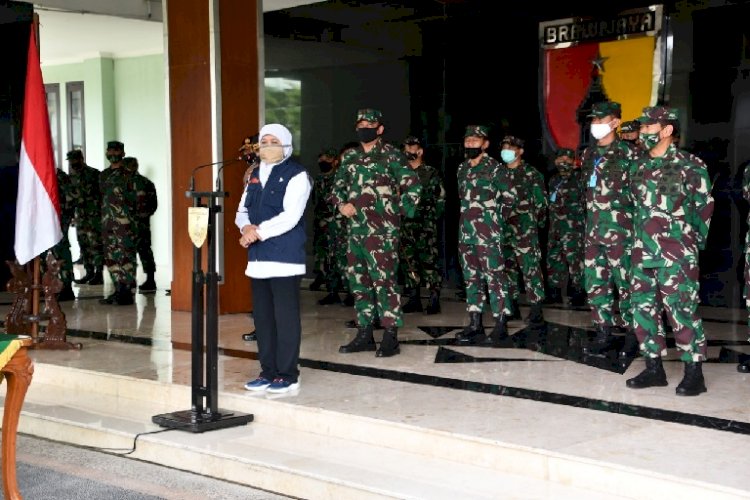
(96, 278)
(123, 296)
(66, 294)
(318, 282)
(601, 342)
(630, 347)
(331, 298)
(578, 297)
(474, 333)
(553, 296)
(515, 311)
(364, 341)
(433, 305)
(499, 332)
(250, 337)
(692, 383)
(744, 366)
(109, 299)
(414, 304)
(652, 376)
(85, 278)
(348, 300)
(148, 286)
(389, 346)
(535, 317)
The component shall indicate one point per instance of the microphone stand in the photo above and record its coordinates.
(204, 414)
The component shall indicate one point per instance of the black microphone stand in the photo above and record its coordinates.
(204, 414)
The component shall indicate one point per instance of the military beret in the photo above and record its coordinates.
(513, 141)
(370, 115)
(477, 131)
(631, 126)
(606, 108)
(658, 114)
(332, 152)
(115, 145)
(75, 154)
(412, 140)
(566, 152)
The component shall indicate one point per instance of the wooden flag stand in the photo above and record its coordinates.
(24, 316)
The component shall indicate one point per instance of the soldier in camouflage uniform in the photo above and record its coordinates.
(485, 199)
(419, 235)
(528, 213)
(629, 132)
(147, 203)
(607, 166)
(567, 220)
(61, 250)
(374, 190)
(744, 366)
(87, 202)
(673, 208)
(324, 221)
(119, 232)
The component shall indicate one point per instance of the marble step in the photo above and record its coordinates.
(314, 453)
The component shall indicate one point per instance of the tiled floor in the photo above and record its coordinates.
(539, 392)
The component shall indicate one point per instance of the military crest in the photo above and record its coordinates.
(198, 225)
(623, 58)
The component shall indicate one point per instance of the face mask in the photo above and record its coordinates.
(325, 166)
(367, 135)
(411, 156)
(471, 153)
(271, 154)
(76, 165)
(649, 140)
(600, 130)
(508, 155)
(114, 158)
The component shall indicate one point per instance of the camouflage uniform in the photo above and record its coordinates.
(672, 215)
(87, 201)
(673, 209)
(567, 217)
(382, 188)
(419, 235)
(746, 195)
(147, 204)
(324, 227)
(521, 249)
(61, 250)
(609, 226)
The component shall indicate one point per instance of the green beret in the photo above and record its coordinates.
(606, 108)
(370, 115)
(512, 140)
(658, 114)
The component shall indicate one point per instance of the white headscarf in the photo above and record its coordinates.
(281, 133)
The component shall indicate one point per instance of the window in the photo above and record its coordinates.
(53, 110)
(284, 105)
(76, 122)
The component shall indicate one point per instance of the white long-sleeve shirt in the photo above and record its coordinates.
(295, 200)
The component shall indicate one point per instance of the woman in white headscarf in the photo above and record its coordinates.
(273, 231)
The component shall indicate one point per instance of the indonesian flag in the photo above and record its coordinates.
(38, 205)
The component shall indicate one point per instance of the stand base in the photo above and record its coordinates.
(189, 420)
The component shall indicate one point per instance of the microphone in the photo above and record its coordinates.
(192, 175)
(218, 173)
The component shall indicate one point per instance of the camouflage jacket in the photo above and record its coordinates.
(146, 199)
(528, 208)
(673, 208)
(567, 200)
(485, 196)
(122, 193)
(323, 212)
(432, 200)
(609, 202)
(67, 206)
(382, 188)
(87, 197)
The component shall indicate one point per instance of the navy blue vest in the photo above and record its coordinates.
(263, 203)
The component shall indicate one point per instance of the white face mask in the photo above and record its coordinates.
(600, 130)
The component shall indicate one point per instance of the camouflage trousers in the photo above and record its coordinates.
(144, 247)
(334, 264)
(523, 254)
(61, 251)
(89, 235)
(565, 259)
(605, 267)
(372, 264)
(320, 245)
(418, 255)
(120, 252)
(747, 276)
(675, 288)
(483, 264)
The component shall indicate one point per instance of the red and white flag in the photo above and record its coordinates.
(38, 204)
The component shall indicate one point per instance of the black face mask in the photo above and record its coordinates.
(411, 156)
(471, 153)
(325, 166)
(367, 135)
(115, 158)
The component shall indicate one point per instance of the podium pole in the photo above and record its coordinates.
(204, 414)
